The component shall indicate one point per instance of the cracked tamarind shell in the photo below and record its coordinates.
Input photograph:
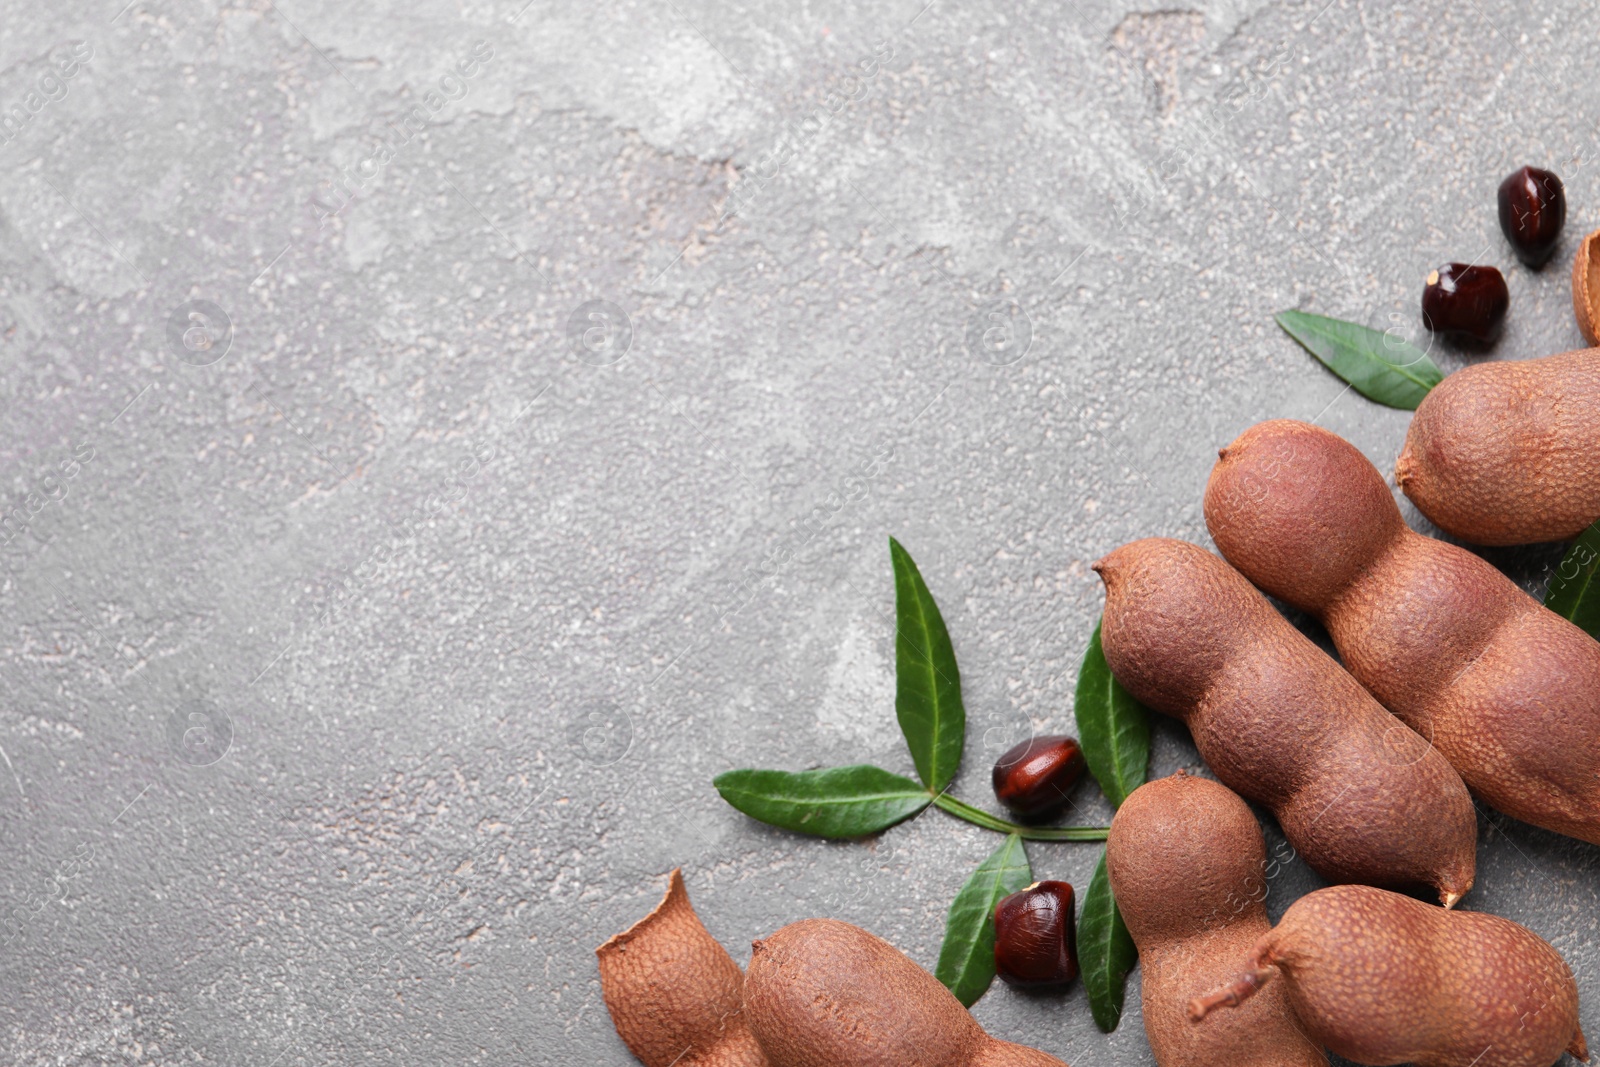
(824, 993)
(1508, 452)
(1382, 979)
(1586, 287)
(1357, 793)
(1505, 688)
(675, 995)
(1188, 868)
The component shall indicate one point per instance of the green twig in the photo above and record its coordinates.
(978, 817)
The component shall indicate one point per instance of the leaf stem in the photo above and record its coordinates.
(978, 817)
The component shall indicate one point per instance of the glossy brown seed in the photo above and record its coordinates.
(1035, 936)
(1533, 208)
(1465, 303)
(1034, 778)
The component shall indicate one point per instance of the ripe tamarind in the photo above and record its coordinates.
(1506, 689)
(819, 993)
(1508, 453)
(1383, 979)
(823, 993)
(1359, 795)
(1188, 869)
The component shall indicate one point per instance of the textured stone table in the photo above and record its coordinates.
(440, 437)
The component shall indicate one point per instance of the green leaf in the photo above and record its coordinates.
(1106, 952)
(833, 802)
(1113, 728)
(1387, 369)
(966, 959)
(927, 696)
(1574, 591)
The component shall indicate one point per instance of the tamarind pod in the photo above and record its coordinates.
(1506, 689)
(1383, 979)
(1358, 794)
(1189, 869)
(824, 993)
(675, 995)
(1508, 452)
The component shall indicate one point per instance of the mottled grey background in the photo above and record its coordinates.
(369, 647)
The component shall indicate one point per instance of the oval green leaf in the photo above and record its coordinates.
(927, 697)
(1387, 369)
(1106, 952)
(833, 802)
(966, 959)
(1574, 590)
(1113, 728)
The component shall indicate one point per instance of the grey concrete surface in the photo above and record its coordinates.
(403, 405)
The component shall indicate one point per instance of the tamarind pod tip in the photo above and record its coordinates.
(1404, 467)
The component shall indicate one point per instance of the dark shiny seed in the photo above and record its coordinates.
(1035, 936)
(1533, 208)
(1466, 303)
(1034, 778)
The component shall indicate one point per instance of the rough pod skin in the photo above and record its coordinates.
(1508, 453)
(674, 993)
(822, 993)
(1359, 795)
(1506, 689)
(1188, 868)
(1382, 979)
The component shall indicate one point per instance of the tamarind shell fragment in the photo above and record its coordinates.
(675, 995)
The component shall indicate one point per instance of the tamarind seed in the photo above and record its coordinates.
(1533, 208)
(1035, 936)
(1034, 778)
(1465, 302)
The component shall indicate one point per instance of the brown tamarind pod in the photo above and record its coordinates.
(1359, 795)
(1506, 689)
(823, 993)
(675, 995)
(1188, 868)
(1508, 452)
(1383, 979)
